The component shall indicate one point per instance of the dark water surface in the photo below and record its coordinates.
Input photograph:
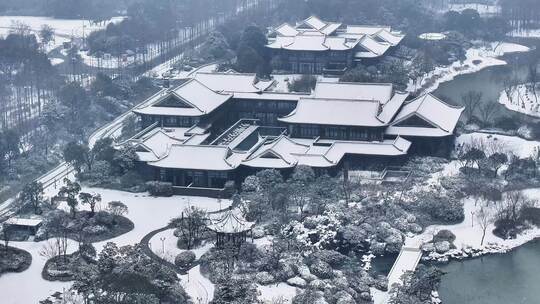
(512, 278)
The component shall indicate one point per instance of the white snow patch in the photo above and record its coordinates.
(525, 33)
(469, 233)
(491, 143)
(523, 98)
(281, 291)
(64, 29)
(56, 61)
(146, 212)
(482, 9)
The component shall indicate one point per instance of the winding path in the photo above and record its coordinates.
(194, 285)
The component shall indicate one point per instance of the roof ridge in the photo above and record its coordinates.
(339, 99)
(219, 93)
(357, 83)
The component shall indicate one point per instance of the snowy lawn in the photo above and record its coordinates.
(477, 58)
(491, 143)
(469, 232)
(275, 292)
(522, 99)
(64, 28)
(146, 212)
(482, 9)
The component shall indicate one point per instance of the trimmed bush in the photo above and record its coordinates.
(163, 189)
(185, 259)
(444, 235)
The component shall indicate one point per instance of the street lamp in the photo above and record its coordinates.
(163, 244)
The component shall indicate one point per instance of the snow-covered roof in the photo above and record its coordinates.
(284, 152)
(285, 96)
(230, 221)
(393, 147)
(156, 143)
(286, 30)
(336, 112)
(314, 34)
(276, 154)
(307, 42)
(381, 92)
(432, 110)
(372, 45)
(196, 157)
(315, 22)
(365, 29)
(192, 98)
(27, 222)
(232, 82)
(390, 37)
(390, 108)
(330, 28)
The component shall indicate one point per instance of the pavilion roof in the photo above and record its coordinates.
(231, 221)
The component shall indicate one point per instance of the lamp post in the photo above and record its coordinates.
(162, 239)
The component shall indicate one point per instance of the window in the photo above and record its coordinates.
(309, 131)
(332, 132)
(170, 120)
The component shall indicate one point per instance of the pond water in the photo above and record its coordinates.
(512, 278)
(489, 81)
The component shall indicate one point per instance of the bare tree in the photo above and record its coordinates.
(487, 112)
(485, 217)
(7, 235)
(510, 207)
(49, 250)
(471, 100)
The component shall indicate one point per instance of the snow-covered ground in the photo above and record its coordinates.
(525, 33)
(477, 58)
(491, 143)
(64, 28)
(522, 99)
(482, 9)
(469, 232)
(57, 61)
(276, 293)
(147, 213)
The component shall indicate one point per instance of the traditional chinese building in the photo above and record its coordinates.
(314, 46)
(219, 127)
(231, 228)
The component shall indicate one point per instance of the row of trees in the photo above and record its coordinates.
(27, 79)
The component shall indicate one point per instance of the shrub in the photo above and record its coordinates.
(160, 188)
(506, 229)
(443, 210)
(321, 269)
(531, 215)
(444, 235)
(131, 179)
(185, 259)
(305, 83)
(333, 258)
